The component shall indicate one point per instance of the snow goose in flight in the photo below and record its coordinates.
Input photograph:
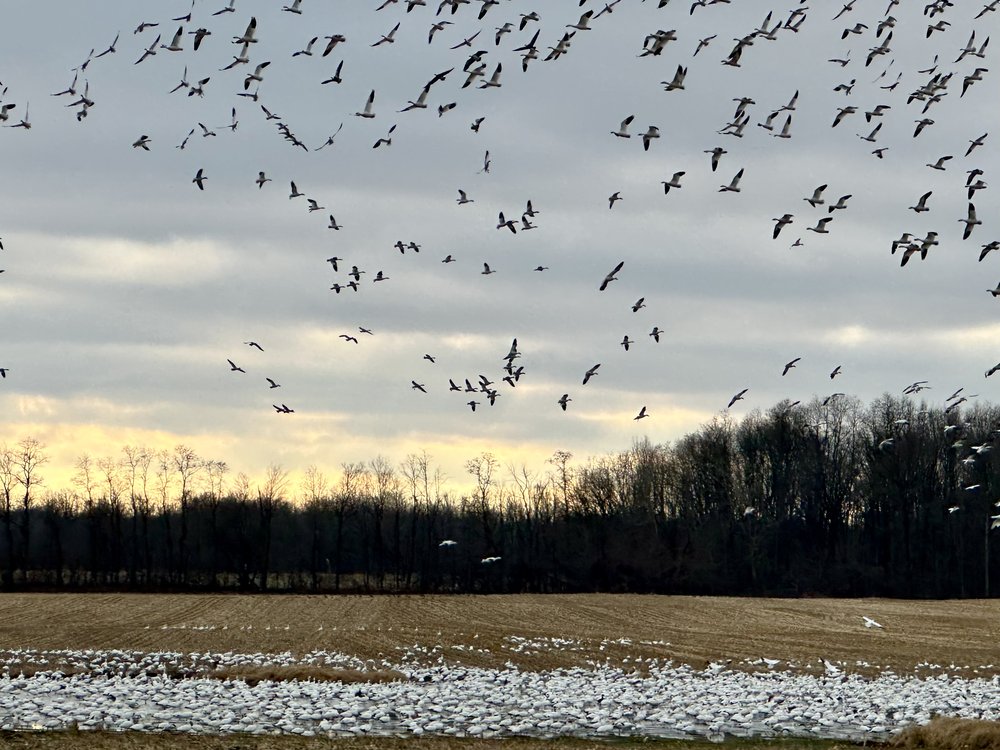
(612, 276)
(716, 153)
(649, 135)
(367, 111)
(780, 223)
(922, 203)
(737, 397)
(150, 51)
(970, 222)
(175, 43)
(388, 38)
(840, 204)
(817, 197)
(789, 366)
(734, 185)
(622, 131)
(673, 182)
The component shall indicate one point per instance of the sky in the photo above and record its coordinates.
(126, 288)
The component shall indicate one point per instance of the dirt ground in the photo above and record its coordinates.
(562, 631)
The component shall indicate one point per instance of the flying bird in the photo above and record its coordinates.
(611, 276)
(734, 185)
(737, 397)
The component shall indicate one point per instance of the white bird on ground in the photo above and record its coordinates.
(869, 622)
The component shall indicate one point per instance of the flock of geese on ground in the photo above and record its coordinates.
(855, 20)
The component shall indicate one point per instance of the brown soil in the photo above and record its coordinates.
(480, 630)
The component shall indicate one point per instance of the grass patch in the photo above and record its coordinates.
(947, 733)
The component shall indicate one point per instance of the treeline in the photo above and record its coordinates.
(889, 499)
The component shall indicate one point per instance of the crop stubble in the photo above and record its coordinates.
(692, 630)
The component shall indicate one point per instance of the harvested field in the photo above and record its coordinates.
(534, 632)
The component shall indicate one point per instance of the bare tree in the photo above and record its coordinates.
(315, 492)
(215, 472)
(164, 481)
(269, 495)
(136, 463)
(29, 458)
(564, 475)
(187, 464)
(113, 481)
(352, 478)
(8, 481)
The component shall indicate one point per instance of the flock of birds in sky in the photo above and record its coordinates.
(951, 74)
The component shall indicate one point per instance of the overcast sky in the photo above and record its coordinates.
(126, 288)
